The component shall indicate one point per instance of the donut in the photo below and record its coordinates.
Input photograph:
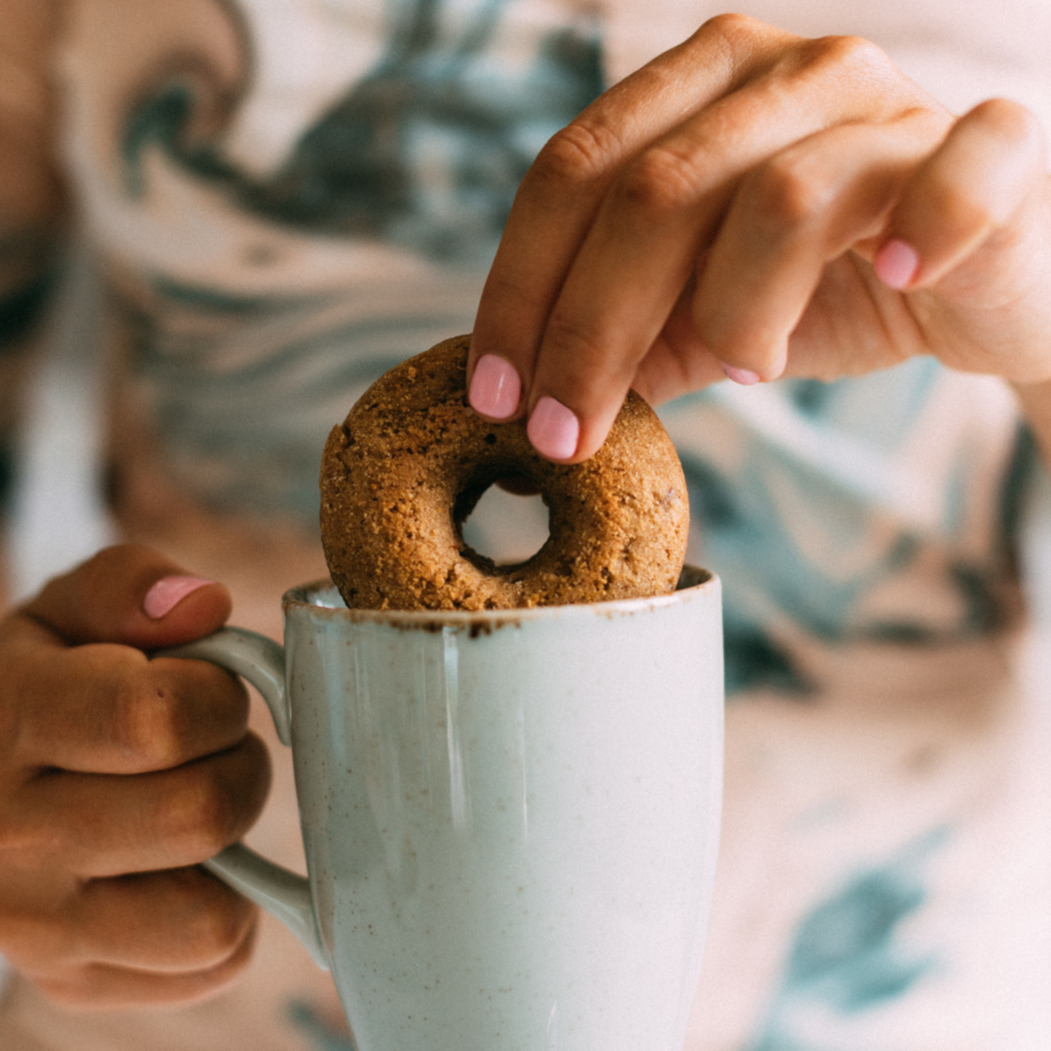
(412, 459)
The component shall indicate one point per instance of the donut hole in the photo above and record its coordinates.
(501, 527)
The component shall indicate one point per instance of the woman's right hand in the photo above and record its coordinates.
(118, 775)
(755, 204)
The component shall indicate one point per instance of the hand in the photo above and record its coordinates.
(755, 204)
(118, 775)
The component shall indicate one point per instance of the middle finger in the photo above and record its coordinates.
(663, 210)
(98, 825)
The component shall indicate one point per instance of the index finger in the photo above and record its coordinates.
(560, 196)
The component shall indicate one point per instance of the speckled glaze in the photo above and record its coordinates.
(510, 818)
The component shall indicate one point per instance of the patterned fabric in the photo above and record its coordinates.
(869, 510)
(265, 285)
(28, 265)
(290, 196)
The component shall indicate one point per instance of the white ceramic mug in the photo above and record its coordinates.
(510, 818)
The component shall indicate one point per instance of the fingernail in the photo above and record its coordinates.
(167, 593)
(896, 264)
(746, 377)
(495, 387)
(553, 429)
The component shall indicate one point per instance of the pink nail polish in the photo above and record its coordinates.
(167, 593)
(495, 387)
(553, 429)
(896, 264)
(746, 377)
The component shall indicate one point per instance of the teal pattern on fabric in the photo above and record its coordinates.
(845, 957)
(803, 500)
(321, 1035)
(365, 169)
(421, 154)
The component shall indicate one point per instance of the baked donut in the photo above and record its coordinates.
(412, 459)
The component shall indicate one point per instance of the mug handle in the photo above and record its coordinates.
(283, 893)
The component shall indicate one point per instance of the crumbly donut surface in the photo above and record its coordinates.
(412, 459)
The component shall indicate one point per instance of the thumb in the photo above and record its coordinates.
(132, 595)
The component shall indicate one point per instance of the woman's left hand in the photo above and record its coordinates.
(756, 204)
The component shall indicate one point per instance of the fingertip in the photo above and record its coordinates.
(762, 367)
(743, 345)
(744, 377)
(553, 430)
(896, 264)
(179, 608)
(168, 592)
(496, 387)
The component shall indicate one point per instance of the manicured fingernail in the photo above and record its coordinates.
(896, 264)
(553, 429)
(746, 377)
(495, 387)
(167, 593)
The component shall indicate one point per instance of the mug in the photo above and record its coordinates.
(510, 817)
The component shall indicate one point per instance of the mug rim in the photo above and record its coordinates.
(694, 582)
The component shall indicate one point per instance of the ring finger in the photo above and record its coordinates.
(108, 825)
(182, 920)
(790, 217)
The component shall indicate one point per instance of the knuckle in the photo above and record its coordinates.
(960, 212)
(150, 726)
(576, 155)
(854, 54)
(25, 834)
(659, 183)
(1010, 121)
(575, 345)
(787, 194)
(731, 27)
(218, 927)
(198, 818)
(34, 940)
